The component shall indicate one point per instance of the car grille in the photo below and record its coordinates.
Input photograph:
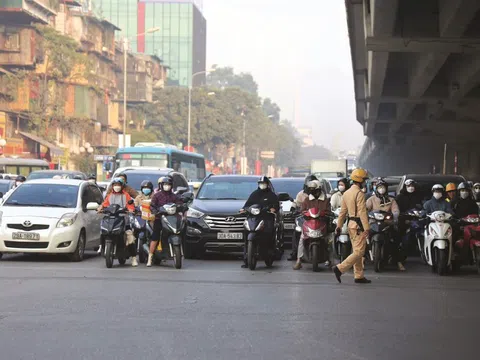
(26, 245)
(221, 223)
(29, 228)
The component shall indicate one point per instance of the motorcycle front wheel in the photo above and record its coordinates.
(377, 257)
(177, 257)
(109, 254)
(344, 251)
(315, 257)
(477, 259)
(441, 260)
(251, 256)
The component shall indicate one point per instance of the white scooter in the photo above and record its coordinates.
(342, 244)
(438, 244)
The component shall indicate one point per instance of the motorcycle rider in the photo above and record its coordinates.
(373, 186)
(265, 197)
(92, 179)
(164, 196)
(19, 180)
(451, 192)
(438, 201)
(476, 192)
(336, 200)
(146, 192)
(301, 196)
(464, 204)
(382, 201)
(119, 196)
(132, 192)
(318, 200)
(353, 205)
(408, 198)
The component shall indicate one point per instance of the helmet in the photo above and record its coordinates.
(476, 185)
(464, 186)
(263, 179)
(410, 182)
(438, 187)
(308, 178)
(312, 186)
(21, 178)
(92, 177)
(118, 180)
(77, 177)
(359, 175)
(165, 180)
(451, 187)
(381, 182)
(146, 184)
(124, 176)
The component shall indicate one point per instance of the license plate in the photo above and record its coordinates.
(230, 236)
(289, 226)
(25, 236)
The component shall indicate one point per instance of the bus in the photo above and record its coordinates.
(192, 165)
(21, 166)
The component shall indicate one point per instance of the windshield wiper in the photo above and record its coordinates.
(37, 205)
(226, 198)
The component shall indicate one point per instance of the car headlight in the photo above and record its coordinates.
(67, 220)
(255, 211)
(194, 213)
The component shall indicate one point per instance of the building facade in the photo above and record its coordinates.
(181, 38)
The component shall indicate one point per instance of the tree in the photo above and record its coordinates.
(225, 77)
(271, 109)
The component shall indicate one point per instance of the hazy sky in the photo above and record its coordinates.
(294, 49)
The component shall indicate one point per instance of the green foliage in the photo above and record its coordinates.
(271, 109)
(84, 163)
(225, 77)
(142, 136)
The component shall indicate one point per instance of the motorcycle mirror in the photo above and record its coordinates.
(181, 190)
(283, 197)
(131, 202)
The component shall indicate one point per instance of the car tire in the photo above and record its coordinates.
(1, 255)
(79, 252)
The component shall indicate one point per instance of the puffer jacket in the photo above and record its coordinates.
(433, 205)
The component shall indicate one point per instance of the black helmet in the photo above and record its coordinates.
(146, 184)
(264, 180)
(124, 176)
(21, 178)
(118, 180)
(92, 177)
(308, 179)
(77, 177)
(463, 186)
(381, 183)
(165, 180)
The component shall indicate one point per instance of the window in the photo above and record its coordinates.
(227, 188)
(45, 195)
(97, 194)
(12, 42)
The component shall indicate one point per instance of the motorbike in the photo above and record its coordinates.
(143, 231)
(342, 244)
(314, 227)
(382, 241)
(437, 246)
(113, 228)
(174, 221)
(471, 239)
(415, 220)
(259, 244)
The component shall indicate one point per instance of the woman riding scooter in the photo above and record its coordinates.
(336, 200)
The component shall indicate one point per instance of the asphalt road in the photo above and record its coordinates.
(52, 309)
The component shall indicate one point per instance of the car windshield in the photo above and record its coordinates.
(50, 175)
(225, 188)
(47, 195)
(291, 187)
(135, 178)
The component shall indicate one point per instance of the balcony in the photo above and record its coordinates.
(26, 11)
(19, 46)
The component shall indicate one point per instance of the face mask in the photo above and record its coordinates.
(146, 191)
(262, 186)
(18, 183)
(374, 187)
(476, 190)
(437, 195)
(464, 194)
(410, 189)
(341, 188)
(167, 187)
(117, 188)
(381, 191)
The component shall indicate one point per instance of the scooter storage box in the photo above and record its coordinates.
(146, 212)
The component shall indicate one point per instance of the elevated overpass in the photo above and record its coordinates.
(416, 67)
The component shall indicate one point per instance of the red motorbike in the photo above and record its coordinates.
(314, 226)
(469, 247)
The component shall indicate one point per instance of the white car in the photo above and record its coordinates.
(51, 216)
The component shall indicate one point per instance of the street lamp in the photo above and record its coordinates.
(125, 48)
(214, 67)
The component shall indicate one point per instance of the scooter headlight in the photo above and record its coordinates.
(440, 217)
(255, 211)
(379, 216)
(472, 220)
(171, 210)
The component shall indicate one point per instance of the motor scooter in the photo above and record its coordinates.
(342, 244)
(143, 230)
(314, 225)
(468, 248)
(437, 248)
(415, 221)
(382, 241)
(259, 243)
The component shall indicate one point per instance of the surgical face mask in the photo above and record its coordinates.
(464, 194)
(117, 188)
(410, 189)
(262, 186)
(437, 195)
(381, 190)
(146, 191)
(167, 187)
(341, 188)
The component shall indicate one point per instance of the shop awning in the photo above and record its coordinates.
(54, 150)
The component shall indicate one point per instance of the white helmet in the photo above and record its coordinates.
(438, 187)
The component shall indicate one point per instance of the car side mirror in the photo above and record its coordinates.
(283, 197)
(131, 202)
(92, 206)
(181, 190)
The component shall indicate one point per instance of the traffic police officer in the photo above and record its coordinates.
(353, 204)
